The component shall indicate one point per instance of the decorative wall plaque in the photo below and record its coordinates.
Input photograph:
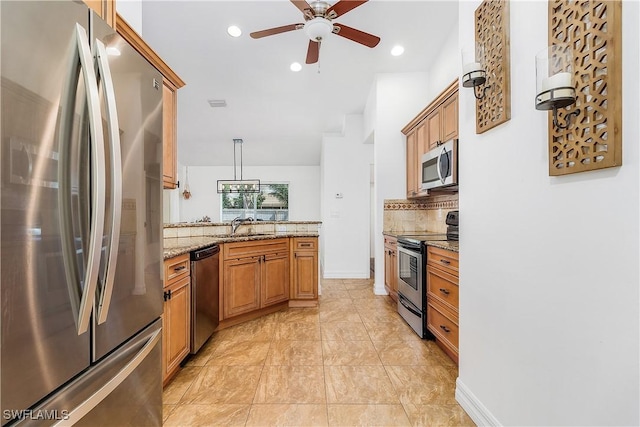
(492, 32)
(594, 140)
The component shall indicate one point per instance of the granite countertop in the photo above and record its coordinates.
(175, 246)
(201, 224)
(450, 245)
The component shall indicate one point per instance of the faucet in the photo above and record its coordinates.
(237, 222)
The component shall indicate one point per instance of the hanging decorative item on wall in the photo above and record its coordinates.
(593, 138)
(492, 33)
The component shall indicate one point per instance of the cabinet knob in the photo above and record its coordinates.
(444, 328)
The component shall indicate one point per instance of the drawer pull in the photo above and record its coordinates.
(167, 295)
(444, 328)
(182, 267)
(444, 261)
(444, 291)
(305, 245)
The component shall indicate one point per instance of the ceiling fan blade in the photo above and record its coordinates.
(313, 52)
(276, 30)
(342, 7)
(357, 36)
(302, 5)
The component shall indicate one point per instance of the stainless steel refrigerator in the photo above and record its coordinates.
(80, 221)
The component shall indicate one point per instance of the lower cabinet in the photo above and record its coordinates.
(176, 317)
(305, 268)
(241, 286)
(442, 297)
(275, 279)
(391, 266)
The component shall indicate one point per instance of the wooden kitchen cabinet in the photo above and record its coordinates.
(304, 270)
(437, 123)
(442, 298)
(255, 276)
(391, 266)
(171, 82)
(176, 317)
(106, 9)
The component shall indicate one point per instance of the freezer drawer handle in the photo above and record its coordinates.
(92, 401)
(81, 59)
(116, 182)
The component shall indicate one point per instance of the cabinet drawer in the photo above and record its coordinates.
(250, 248)
(390, 241)
(176, 268)
(447, 260)
(442, 326)
(443, 286)
(305, 244)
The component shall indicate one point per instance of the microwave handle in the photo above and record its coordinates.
(444, 151)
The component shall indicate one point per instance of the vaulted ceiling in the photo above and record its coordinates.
(281, 115)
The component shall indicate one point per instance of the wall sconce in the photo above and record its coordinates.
(473, 74)
(554, 82)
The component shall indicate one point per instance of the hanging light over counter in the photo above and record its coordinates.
(238, 185)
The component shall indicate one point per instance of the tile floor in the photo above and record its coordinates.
(351, 361)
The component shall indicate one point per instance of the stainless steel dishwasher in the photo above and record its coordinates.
(204, 295)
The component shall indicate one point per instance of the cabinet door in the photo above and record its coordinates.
(275, 279)
(305, 275)
(394, 274)
(450, 117)
(106, 9)
(433, 133)
(412, 165)
(177, 324)
(241, 286)
(169, 135)
(387, 268)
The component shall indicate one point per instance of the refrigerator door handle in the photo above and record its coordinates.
(92, 401)
(104, 298)
(81, 58)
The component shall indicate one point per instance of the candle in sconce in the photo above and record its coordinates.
(471, 67)
(559, 80)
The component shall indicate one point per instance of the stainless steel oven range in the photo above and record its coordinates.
(412, 295)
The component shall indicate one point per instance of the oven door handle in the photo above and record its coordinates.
(401, 298)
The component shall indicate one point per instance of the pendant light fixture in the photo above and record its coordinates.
(238, 185)
(186, 193)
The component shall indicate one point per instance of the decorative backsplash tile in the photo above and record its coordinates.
(428, 214)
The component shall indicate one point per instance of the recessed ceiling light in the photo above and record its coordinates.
(397, 50)
(234, 31)
(296, 67)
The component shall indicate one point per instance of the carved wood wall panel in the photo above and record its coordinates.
(593, 29)
(492, 31)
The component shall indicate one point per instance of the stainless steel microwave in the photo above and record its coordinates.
(440, 166)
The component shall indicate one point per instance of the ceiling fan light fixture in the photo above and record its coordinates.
(318, 28)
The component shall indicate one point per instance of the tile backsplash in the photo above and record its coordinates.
(426, 214)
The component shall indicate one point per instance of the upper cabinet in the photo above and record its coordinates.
(437, 123)
(106, 9)
(171, 84)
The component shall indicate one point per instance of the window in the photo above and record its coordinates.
(270, 204)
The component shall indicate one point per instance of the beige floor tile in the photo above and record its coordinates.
(223, 384)
(291, 384)
(256, 330)
(438, 415)
(404, 353)
(364, 293)
(175, 390)
(166, 411)
(331, 304)
(422, 385)
(295, 331)
(358, 286)
(359, 384)
(340, 315)
(240, 353)
(344, 331)
(357, 353)
(334, 293)
(299, 315)
(367, 415)
(283, 414)
(377, 303)
(295, 353)
(391, 331)
(208, 415)
(330, 282)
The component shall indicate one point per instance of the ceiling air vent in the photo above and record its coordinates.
(217, 103)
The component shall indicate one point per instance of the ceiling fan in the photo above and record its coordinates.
(318, 16)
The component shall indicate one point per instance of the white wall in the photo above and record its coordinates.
(304, 190)
(549, 300)
(131, 11)
(446, 65)
(345, 164)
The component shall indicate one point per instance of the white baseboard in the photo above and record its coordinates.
(345, 275)
(474, 408)
(379, 290)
